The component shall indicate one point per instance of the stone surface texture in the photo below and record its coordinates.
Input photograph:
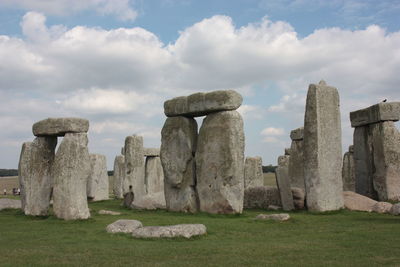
(179, 230)
(201, 104)
(151, 152)
(283, 182)
(382, 207)
(296, 164)
(274, 217)
(123, 226)
(348, 172)
(384, 111)
(6, 203)
(70, 171)
(35, 177)
(253, 173)
(220, 163)
(297, 134)
(134, 166)
(60, 126)
(262, 197)
(97, 185)
(150, 202)
(395, 210)
(108, 212)
(154, 175)
(323, 149)
(354, 201)
(178, 146)
(119, 176)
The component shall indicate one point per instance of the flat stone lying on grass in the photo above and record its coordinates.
(395, 210)
(274, 217)
(354, 201)
(108, 212)
(60, 126)
(170, 231)
(6, 203)
(382, 207)
(123, 226)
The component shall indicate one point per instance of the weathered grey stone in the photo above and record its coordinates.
(123, 226)
(128, 199)
(323, 149)
(134, 166)
(154, 175)
(384, 111)
(34, 171)
(151, 152)
(108, 212)
(253, 173)
(97, 184)
(382, 207)
(201, 104)
(287, 151)
(262, 197)
(395, 210)
(273, 217)
(179, 230)
(178, 145)
(150, 202)
(220, 163)
(70, 171)
(123, 151)
(60, 126)
(297, 134)
(119, 176)
(296, 164)
(354, 201)
(6, 203)
(273, 207)
(283, 182)
(348, 172)
(385, 139)
(363, 162)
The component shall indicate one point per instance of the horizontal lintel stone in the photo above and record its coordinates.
(384, 111)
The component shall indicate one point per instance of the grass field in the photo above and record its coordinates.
(338, 239)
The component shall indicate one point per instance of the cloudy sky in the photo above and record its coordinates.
(115, 62)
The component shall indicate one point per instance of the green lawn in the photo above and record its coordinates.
(341, 238)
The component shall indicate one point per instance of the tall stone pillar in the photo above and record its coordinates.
(283, 182)
(119, 174)
(323, 149)
(178, 146)
(296, 163)
(348, 171)
(134, 166)
(98, 184)
(253, 173)
(220, 163)
(34, 171)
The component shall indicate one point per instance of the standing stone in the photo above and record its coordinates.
(154, 177)
(385, 140)
(348, 171)
(35, 178)
(283, 182)
(220, 163)
(134, 166)
(178, 146)
(363, 162)
(253, 174)
(296, 163)
(119, 174)
(323, 149)
(71, 170)
(97, 185)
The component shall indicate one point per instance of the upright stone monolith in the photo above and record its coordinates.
(296, 163)
(119, 174)
(178, 146)
(253, 174)
(323, 149)
(71, 170)
(348, 171)
(98, 185)
(154, 175)
(283, 182)
(220, 163)
(134, 166)
(34, 171)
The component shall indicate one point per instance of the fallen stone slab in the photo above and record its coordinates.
(354, 201)
(151, 152)
(201, 104)
(6, 203)
(274, 217)
(382, 207)
(108, 212)
(179, 230)
(150, 202)
(60, 126)
(123, 226)
(385, 111)
(395, 210)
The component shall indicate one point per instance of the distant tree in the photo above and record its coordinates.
(8, 172)
(269, 168)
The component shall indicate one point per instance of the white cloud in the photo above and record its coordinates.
(272, 131)
(122, 9)
(251, 111)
